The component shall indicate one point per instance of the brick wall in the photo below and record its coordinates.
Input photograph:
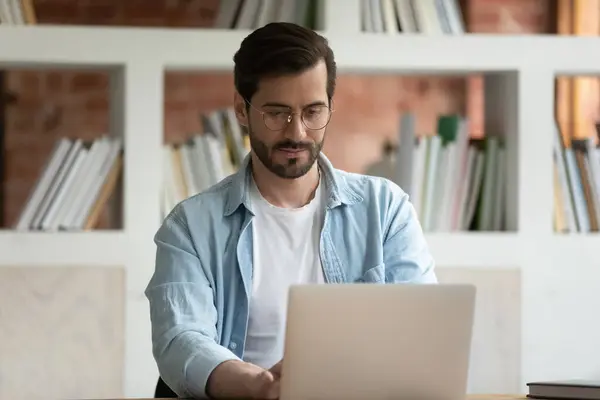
(52, 104)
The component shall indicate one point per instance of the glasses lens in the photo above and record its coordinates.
(276, 120)
(316, 117)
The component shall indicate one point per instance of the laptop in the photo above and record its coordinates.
(372, 342)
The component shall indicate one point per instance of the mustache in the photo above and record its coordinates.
(290, 144)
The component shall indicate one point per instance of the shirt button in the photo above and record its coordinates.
(233, 345)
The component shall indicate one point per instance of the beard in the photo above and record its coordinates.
(291, 168)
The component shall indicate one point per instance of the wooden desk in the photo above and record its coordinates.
(471, 397)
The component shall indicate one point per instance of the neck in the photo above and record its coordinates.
(285, 193)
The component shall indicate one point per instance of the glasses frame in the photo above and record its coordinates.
(291, 117)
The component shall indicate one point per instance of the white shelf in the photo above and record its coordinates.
(77, 249)
(359, 52)
(109, 249)
(475, 249)
(581, 245)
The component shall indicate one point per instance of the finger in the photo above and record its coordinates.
(265, 378)
(276, 369)
(273, 391)
(269, 386)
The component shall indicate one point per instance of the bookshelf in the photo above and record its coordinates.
(3, 103)
(556, 274)
(69, 179)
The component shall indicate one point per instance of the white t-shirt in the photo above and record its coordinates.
(286, 252)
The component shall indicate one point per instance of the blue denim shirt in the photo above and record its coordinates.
(199, 292)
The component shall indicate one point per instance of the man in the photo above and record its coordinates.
(226, 257)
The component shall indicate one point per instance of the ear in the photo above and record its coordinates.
(239, 105)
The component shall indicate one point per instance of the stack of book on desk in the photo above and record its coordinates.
(568, 389)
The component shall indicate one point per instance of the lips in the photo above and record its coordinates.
(291, 152)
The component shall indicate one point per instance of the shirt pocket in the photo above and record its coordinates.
(373, 275)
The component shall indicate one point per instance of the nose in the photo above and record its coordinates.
(295, 130)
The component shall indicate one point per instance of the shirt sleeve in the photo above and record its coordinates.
(406, 254)
(182, 313)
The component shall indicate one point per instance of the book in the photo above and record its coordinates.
(580, 389)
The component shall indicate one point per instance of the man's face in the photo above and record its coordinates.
(289, 150)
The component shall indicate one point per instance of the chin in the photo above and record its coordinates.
(285, 161)
(287, 171)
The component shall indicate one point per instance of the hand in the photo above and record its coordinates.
(238, 379)
(266, 384)
(276, 369)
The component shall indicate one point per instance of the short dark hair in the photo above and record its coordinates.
(280, 48)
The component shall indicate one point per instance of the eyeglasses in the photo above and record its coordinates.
(313, 117)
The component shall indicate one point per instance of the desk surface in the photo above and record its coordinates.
(470, 397)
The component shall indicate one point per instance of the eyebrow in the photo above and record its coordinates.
(274, 104)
